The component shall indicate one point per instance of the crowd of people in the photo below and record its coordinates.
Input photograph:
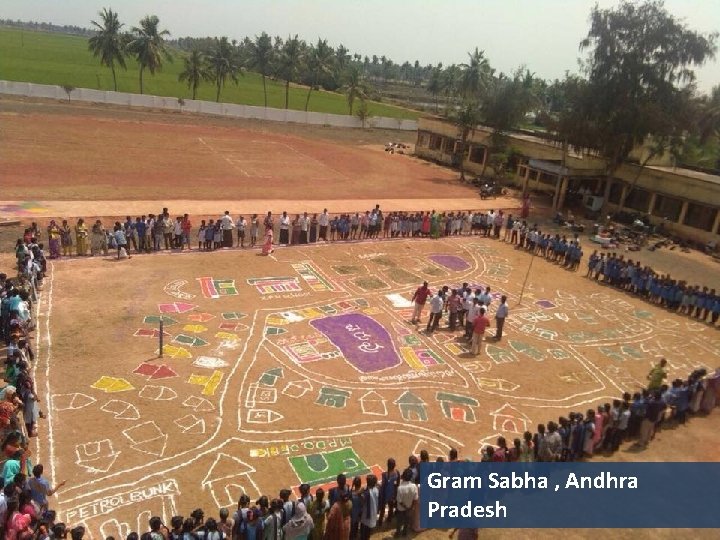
(353, 508)
(701, 303)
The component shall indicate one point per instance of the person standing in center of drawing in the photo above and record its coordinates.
(284, 229)
(419, 298)
(227, 226)
(304, 226)
(437, 303)
(241, 225)
(324, 221)
(500, 316)
(479, 326)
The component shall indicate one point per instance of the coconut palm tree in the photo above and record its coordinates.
(223, 62)
(108, 43)
(435, 85)
(320, 63)
(355, 87)
(261, 57)
(148, 46)
(291, 56)
(476, 75)
(195, 71)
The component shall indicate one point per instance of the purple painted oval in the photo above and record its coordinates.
(362, 340)
(453, 262)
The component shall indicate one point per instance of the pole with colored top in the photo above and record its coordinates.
(161, 335)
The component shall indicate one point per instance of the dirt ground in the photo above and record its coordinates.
(283, 369)
(51, 153)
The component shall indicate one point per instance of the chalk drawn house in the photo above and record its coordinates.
(227, 478)
(332, 397)
(456, 407)
(373, 403)
(412, 407)
(508, 419)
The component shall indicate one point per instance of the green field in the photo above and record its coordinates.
(48, 58)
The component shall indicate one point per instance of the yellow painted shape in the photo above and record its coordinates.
(276, 321)
(209, 384)
(372, 311)
(311, 313)
(173, 351)
(194, 328)
(112, 384)
(227, 336)
(411, 358)
(455, 349)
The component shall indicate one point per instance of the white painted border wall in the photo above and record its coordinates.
(203, 107)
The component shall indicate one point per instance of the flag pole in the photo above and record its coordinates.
(161, 335)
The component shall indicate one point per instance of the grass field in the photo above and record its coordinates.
(46, 58)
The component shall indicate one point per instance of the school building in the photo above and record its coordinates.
(687, 201)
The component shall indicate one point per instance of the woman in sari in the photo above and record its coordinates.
(314, 229)
(338, 521)
(295, 238)
(425, 228)
(98, 239)
(434, 225)
(54, 239)
(66, 238)
(267, 248)
(318, 511)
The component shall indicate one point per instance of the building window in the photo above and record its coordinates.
(423, 139)
(700, 216)
(522, 171)
(667, 207)
(638, 199)
(533, 175)
(435, 142)
(477, 154)
(549, 179)
(615, 192)
(448, 145)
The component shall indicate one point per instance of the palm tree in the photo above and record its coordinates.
(320, 63)
(148, 46)
(195, 71)
(466, 119)
(450, 82)
(475, 75)
(223, 62)
(435, 85)
(261, 57)
(289, 63)
(108, 43)
(355, 87)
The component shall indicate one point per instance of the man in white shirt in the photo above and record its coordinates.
(436, 308)
(485, 297)
(500, 315)
(284, 229)
(407, 495)
(241, 225)
(369, 515)
(473, 310)
(324, 221)
(227, 225)
(304, 225)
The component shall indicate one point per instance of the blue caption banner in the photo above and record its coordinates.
(569, 495)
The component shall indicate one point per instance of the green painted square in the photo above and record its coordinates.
(325, 466)
(155, 319)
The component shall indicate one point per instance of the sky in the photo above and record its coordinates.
(540, 34)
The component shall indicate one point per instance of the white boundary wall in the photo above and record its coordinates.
(204, 107)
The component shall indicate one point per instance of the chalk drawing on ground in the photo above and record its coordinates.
(373, 403)
(510, 420)
(96, 456)
(173, 289)
(190, 424)
(157, 393)
(263, 416)
(210, 362)
(70, 402)
(147, 438)
(215, 288)
(260, 394)
(297, 389)
(412, 407)
(227, 478)
(209, 383)
(121, 410)
(198, 404)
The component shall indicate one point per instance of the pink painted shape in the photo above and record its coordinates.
(163, 372)
(176, 307)
(145, 369)
(200, 317)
